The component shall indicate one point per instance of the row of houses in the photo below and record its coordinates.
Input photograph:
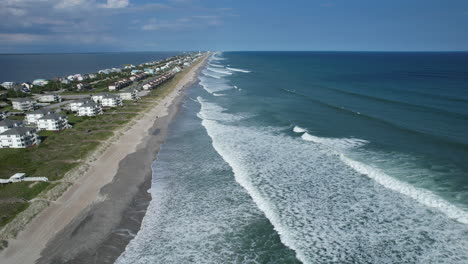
(120, 84)
(93, 106)
(28, 104)
(154, 83)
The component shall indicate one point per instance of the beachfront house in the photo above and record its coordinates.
(7, 124)
(97, 98)
(119, 84)
(92, 76)
(27, 85)
(19, 137)
(32, 117)
(83, 86)
(40, 82)
(89, 109)
(23, 104)
(129, 94)
(75, 105)
(8, 85)
(53, 122)
(111, 100)
(50, 98)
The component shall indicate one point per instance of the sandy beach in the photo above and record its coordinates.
(93, 220)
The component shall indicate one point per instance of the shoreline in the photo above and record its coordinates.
(91, 212)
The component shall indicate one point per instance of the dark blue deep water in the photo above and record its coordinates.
(314, 157)
(27, 67)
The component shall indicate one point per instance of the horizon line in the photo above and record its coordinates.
(95, 52)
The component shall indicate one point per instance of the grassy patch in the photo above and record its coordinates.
(9, 211)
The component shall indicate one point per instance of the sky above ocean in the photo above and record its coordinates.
(144, 25)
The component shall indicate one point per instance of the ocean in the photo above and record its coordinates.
(314, 157)
(28, 67)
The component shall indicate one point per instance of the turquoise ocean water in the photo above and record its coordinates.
(314, 157)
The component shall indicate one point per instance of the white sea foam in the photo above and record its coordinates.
(216, 65)
(217, 94)
(211, 75)
(220, 71)
(336, 143)
(423, 196)
(322, 207)
(214, 85)
(237, 70)
(298, 129)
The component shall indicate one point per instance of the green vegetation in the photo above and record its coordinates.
(61, 151)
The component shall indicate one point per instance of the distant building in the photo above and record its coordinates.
(83, 86)
(50, 98)
(119, 84)
(19, 137)
(7, 124)
(89, 109)
(32, 117)
(75, 105)
(92, 76)
(2, 115)
(105, 71)
(53, 121)
(27, 85)
(111, 100)
(8, 85)
(149, 71)
(129, 94)
(134, 72)
(23, 104)
(40, 82)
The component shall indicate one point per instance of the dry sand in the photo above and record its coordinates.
(93, 220)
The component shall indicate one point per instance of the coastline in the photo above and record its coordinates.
(87, 220)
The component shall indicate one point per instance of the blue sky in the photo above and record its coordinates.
(144, 25)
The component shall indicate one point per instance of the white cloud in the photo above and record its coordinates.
(116, 4)
(20, 38)
(66, 4)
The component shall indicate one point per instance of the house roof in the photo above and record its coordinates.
(43, 111)
(111, 96)
(18, 131)
(53, 116)
(8, 122)
(89, 104)
(22, 99)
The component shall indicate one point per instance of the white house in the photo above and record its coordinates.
(19, 137)
(40, 82)
(75, 105)
(111, 100)
(89, 109)
(53, 121)
(7, 124)
(23, 104)
(97, 98)
(8, 85)
(33, 117)
(82, 86)
(2, 115)
(129, 94)
(27, 85)
(50, 98)
(92, 76)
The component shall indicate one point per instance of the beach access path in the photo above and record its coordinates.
(86, 191)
